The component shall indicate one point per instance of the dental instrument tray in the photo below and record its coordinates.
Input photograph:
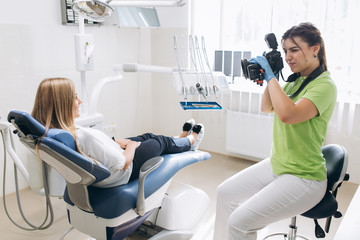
(200, 106)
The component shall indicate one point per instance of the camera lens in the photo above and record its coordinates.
(251, 71)
(255, 72)
(244, 66)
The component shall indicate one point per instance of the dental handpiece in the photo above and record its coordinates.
(201, 90)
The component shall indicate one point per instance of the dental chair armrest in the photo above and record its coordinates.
(146, 168)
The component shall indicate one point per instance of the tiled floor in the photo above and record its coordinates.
(206, 176)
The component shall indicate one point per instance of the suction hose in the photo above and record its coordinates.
(49, 209)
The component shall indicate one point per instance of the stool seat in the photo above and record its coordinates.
(325, 208)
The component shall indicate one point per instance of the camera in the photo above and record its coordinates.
(253, 71)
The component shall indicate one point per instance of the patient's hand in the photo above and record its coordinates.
(129, 152)
(133, 144)
(122, 142)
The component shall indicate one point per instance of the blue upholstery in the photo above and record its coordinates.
(26, 123)
(63, 137)
(102, 198)
(99, 171)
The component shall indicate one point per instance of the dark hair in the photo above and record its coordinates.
(309, 34)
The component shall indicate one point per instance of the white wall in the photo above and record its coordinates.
(36, 48)
(35, 45)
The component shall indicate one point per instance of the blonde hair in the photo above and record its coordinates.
(54, 104)
(54, 107)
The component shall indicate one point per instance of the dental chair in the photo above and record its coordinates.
(114, 213)
(336, 159)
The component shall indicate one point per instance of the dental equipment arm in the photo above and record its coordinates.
(170, 3)
(192, 49)
(134, 67)
(201, 90)
(177, 58)
(215, 88)
(193, 56)
(99, 10)
(201, 65)
(98, 87)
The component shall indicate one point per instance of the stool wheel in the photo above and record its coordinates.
(338, 214)
(319, 232)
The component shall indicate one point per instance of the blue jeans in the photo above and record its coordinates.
(155, 145)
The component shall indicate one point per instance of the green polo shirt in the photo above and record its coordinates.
(296, 148)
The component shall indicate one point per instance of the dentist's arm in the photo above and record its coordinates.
(266, 104)
(276, 99)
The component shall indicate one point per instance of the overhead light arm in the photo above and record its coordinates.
(150, 3)
(98, 10)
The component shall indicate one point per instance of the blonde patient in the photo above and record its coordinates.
(57, 105)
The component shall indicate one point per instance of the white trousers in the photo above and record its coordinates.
(256, 197)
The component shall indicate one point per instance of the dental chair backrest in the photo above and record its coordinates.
(58, 149)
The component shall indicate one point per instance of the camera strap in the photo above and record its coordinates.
(313, 75)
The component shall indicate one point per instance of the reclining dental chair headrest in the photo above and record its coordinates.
(58, 140)
(25, 123)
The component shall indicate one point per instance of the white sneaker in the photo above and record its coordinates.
(188, 125)
(200, 130)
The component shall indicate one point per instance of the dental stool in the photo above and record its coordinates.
(336, 158)
(114, 213)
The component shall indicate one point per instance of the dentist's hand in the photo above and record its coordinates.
(262, 61)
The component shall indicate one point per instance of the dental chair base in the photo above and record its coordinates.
(181, 210)
(99, 228)
(182, 207)
(174, 215)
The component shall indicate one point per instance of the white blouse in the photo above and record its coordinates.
(99, 146)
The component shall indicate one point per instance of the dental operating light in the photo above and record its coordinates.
(99, 10)
(92, 9)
